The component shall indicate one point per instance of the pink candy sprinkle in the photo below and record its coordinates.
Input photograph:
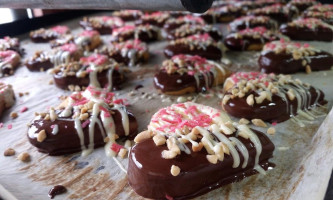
(85, 123)
(274, 123)
(10, 126)
(52, 126)
(69, 47)
(1, 125)
(60, 29)
(97, 59)
(23, 109)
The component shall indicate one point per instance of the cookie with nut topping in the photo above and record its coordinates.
(187, 74)
(197, 147)
(277, 12)
(308, 29)
(156, 19)
(250, 39)
(45, 35)
(10, 43)
(173, 23)
(7, 97)
(82, 122)
(9, 61)
(302, 5)
(291, 57)
(96, 70)
(103, 24)
(326, 17)
(128, 15)
(245, 22)
(222, 14)
(189, 29)
(271, 98)
(202, 45)
(145, 33)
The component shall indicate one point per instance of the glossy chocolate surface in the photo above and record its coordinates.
(215, 34)
(149, 173)
(243, 44)
(38, 65)
(211, 52)
(282, 63)
(67, 141)
(141, 35)
(63, 82)
(276, 110)
(234, 27)
(305, 33)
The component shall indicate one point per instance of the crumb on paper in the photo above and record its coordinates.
(51, 82)
(259, 123)
(244, 121)
(13, 115)
(24, 157)
(9, 152)
(9, 126)
(283, 148)
(271, 131)
(24, 109)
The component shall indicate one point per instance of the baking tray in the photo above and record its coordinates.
(303, 156)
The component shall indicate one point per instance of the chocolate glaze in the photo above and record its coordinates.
(67, 141)
(143, 36)
(149, 173)
(271, 111)
(58, 189)
(305, 33)
(211, 52)
(215, 34)
(234, 27)
(169, 82)
(63, 82)
(242, 44)
(37, 64)
(270, 62)
(41, 38)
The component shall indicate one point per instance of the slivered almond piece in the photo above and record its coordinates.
(197, 147)
(291, 94)
(175, 170)
(159, 139)
(167, 154)
(271, 131)
(143, 136)
(41, 136)
(244, 121)
(259, 123)
(212, 159)
(250, 100)
(24, 157)
(122, 153)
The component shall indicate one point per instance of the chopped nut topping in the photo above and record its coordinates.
(122, 153)
(84, 116)
(212, 159)
(41, 136)
(47, 117)
(271, 131)
(167, 154)
(291, 94)
(244, 121)
(159, 139)
(175, 170)
(143, 136)
(197, 148)
(106, 139)
(9, 152)
(250, 100)
(308, 69)
(259, 123)
(13, 115)
(24, 157)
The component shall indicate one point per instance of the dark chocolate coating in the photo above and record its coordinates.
(211, 52)
(103, 30)
(282, 63)
(221, 17)
(37, 65)
(142, 35)
(67, 141)
(41, 38)
(168, 82)
(305, 33)
(149, 173)
(271, 111)
(235, 27)
(279, 17)
(242, 44)
(64, 81)
(215, 34)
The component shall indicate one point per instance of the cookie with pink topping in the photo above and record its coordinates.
(321, 8)
(290, 57)
(96, 70)
(82, 122)
(200, 44)
(103, 24)
(9, 61)
(7, 97)
(277, 12)
(156, 18)
(252, 22)
(273, 98)
(43, 60)
(145, 33)
(326, 17)
(9, 43)
(250, 39)
(308, 29)
(222, 14)
(45, 35)
(88, 40)
(128, 15)
(130, 52)
(302, 5)
(192, 29)
(174, 23)
(188, 74)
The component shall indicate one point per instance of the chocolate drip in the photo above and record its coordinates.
(58, 189)
(67, 141)
(149, 173)
(271, 62)
(305, 33)
(210, 52)
(277, 110)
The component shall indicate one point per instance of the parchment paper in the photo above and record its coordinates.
(303, 156)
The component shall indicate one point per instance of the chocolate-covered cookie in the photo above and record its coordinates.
(45, 35)
(9, 61)
(128, 15)
(250, 39)
(308, 29)
(196, 147)
(156, 18)
(270, 97)
(252, 22)
(174, 23)
(189, 29)
(103, 24)
(96, 70)
(187, 74)
(278, 12)
(321, 7)
(326, 17)
(9, 43)
(7, 97)
(302, 5)
(84, 121)
(222, 14)
(290, 57)
(201, 44)
(145, 33)
(130, 52)
(43, 60)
